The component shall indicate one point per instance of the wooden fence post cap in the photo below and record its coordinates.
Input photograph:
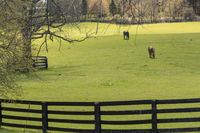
(96, 103)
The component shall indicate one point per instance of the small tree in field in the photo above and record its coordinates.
(113, 8)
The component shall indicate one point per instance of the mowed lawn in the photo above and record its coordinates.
(108, 68)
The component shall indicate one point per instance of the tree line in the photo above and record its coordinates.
(132, 11)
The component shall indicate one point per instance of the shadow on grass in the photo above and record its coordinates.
(57, 71)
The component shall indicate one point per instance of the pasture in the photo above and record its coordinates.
(108, 68)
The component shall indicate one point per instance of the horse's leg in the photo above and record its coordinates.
(149, 51)
(153, 50)
(128, 35)
(153, 55)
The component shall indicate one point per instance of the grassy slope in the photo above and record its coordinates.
(111, 29)
(109, 68)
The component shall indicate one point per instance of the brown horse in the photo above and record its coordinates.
(151, 51)
(126, 35)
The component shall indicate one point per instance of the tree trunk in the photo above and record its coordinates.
(26, 46)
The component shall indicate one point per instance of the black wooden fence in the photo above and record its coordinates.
(50, 116)
(40, 62)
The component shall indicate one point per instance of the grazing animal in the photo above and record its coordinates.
(151, 51)
(126, 35)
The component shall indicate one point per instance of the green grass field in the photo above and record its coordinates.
(12, 131)
(108, 68)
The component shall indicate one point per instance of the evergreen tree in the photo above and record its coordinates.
(84, 7)
(119, 10)
(113, 8)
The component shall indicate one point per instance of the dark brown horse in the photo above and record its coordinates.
(126, 35)
(151, 51)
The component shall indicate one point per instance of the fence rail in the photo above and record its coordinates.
(44, 115)
(40, 62)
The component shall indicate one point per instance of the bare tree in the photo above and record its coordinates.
(43, 20)
(174, 10)
(21, 22)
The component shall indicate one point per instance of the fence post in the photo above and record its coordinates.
(154, 117)
(33, 63)
(0, 114)
(44, 117)
(97, 118)
(47, 65)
